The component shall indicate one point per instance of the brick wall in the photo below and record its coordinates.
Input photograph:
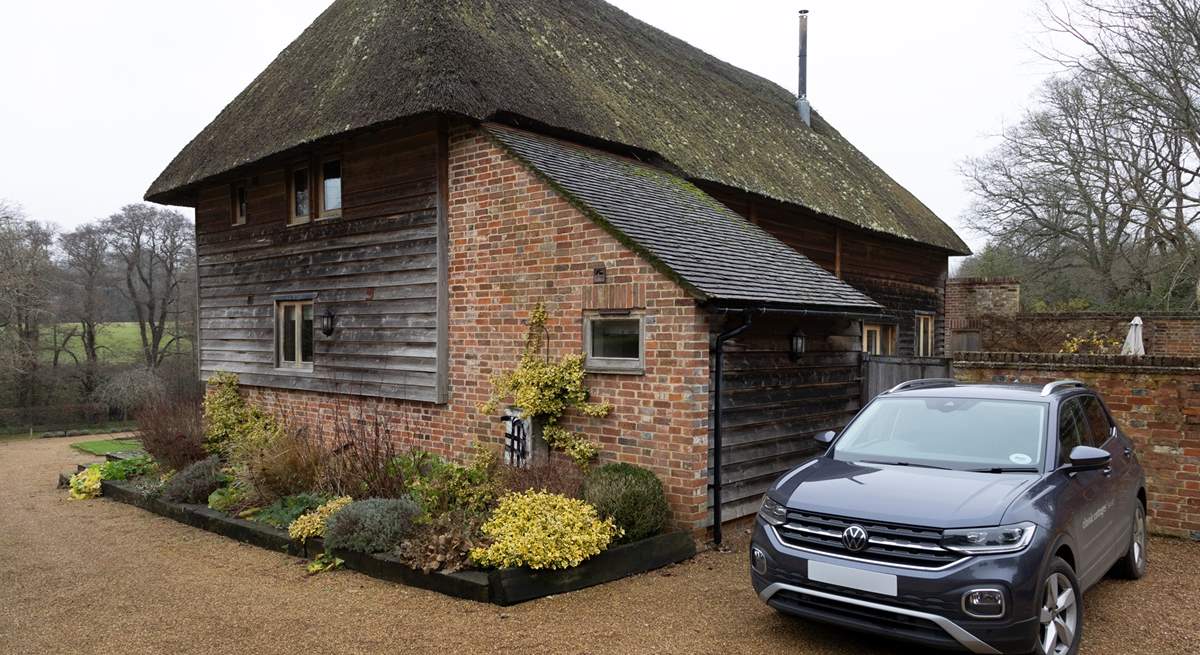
(1163, 333)
(513, 243)
(1156, 400)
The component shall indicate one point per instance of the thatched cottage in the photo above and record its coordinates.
(377, 213)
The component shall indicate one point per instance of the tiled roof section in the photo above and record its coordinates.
(709, 249)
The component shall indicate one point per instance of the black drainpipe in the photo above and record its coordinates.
(716, 477)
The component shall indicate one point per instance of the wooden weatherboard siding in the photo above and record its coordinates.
(380, 267)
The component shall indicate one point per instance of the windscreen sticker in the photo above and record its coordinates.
(1020, 458)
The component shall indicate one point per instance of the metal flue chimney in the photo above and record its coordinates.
(802, 105)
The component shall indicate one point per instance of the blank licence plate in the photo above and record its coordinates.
(844, 576)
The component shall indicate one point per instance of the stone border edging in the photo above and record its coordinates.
(501, 587)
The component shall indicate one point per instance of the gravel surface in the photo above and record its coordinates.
(102, 577)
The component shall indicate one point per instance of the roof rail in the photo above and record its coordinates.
(922, 383)
(1060, 384)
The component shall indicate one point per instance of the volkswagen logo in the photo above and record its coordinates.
(855, 538)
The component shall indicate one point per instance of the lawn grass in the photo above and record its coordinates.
(106, 446)
(118, 343)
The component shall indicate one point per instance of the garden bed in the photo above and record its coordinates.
(502, 587)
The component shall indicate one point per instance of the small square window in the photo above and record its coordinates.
(879, 339)
(614, 344)
(294, 334)
(238, 200)
(331, 188)
(301, 209)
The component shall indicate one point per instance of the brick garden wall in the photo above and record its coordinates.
(1156, 400)
(514, 242)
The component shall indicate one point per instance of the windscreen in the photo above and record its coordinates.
(961, 433)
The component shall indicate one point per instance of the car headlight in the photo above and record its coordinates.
(988, 541)
(772, 512)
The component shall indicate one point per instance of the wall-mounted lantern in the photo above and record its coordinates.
(798, 344)
(327, 322)
(599, 275)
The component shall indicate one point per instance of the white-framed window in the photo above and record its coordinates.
(878, 338)
(239, 203)
(614, 343)
(925, 332)
(294, 334)
(331, 188)
(300, 196)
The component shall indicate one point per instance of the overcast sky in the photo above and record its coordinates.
(99, 96)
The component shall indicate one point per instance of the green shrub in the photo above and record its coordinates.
(226, 499)
(233, 428)
(543, 531)
(195, 482)
(124, 469)
(282, 512)
(441, 486)
(374, 525)
(631, 496)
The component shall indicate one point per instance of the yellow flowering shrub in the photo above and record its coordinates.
(1092, 343)
(542, 530)
(545, 389)
(312, 524)
(86, 483)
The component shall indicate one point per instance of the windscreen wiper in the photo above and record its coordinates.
(1006, 469)
(924, 466)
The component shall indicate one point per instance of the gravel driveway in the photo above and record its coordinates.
(101, 577)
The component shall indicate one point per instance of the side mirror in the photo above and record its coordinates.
(1086, 458)
(826, 436)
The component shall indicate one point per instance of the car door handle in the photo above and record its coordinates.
(1128, 452)
(1107, 471)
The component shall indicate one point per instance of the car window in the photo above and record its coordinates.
(1098, 424)
(1073, 428)
(962, 433)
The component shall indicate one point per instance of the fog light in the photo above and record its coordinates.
(758, 560)
(984, 603)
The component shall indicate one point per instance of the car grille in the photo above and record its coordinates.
(889, 543)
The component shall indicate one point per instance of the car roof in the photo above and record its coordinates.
(1026, 392)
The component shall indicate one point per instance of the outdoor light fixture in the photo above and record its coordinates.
(327, 322)
(797, 344)
(599, 275)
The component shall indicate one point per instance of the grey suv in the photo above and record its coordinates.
(957, 516)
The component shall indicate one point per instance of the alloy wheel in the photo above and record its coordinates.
(1059, 615)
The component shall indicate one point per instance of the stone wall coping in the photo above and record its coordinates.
(1147, 364)
(972, 281)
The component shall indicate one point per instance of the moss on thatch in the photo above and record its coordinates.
(582, 66)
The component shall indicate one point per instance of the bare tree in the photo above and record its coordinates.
(26, 278)
(87, 269)
(153, 247)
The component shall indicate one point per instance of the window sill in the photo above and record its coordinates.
(295, 369)
(605, 368)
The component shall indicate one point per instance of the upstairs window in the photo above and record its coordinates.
(879, 339)
(301, 209)
(925, 331)
(331, 188)
(237, 198)
(294, 334)
(614, 344)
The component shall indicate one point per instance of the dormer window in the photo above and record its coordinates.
(301, 197)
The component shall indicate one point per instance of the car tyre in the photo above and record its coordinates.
(1060, 611)
(1133, 565)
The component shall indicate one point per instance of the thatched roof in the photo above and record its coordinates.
(582, 66)
(714, 253)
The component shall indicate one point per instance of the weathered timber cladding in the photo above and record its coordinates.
(904, 277)
(773, 404)
(376, 267)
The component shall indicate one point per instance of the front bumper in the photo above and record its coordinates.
(927, 606)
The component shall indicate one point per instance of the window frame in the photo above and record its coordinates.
(239, 197)
(885, 339)
(614, 365)
(322, 213)
(295, 219)
(926, 341)
(1069, 405)
(299, 302)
